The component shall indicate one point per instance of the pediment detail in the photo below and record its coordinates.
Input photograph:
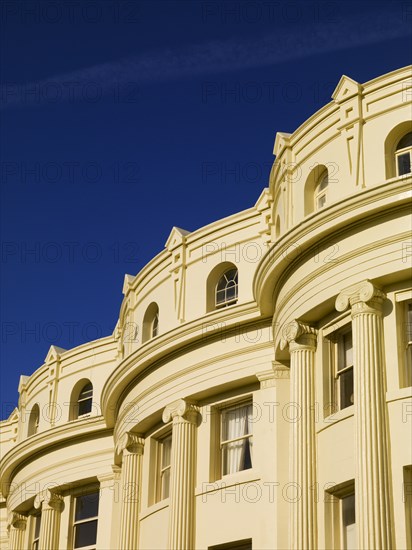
(54, 354)
(282, 140)
(346, 88)
(177, 237)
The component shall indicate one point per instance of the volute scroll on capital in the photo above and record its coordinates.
(49, 499)
(131, 442)
(16, 520)
(359, 294)
(295, 330)
(180, 408)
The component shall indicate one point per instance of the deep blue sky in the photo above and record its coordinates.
(120, 119)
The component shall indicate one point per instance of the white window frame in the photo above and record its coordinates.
(403, 300)
(82, 492)
(321, 193)
(340, 357)
(35, 540)
(84, 399)
(155, 325)
(228, 301)
(161, 469)
(334, 497)
(217, 444)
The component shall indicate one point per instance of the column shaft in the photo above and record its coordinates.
(51, 505)
(302, 452)
(129, 515)
(372, 481)
(131, 446)
(17, 526)
(183, 474)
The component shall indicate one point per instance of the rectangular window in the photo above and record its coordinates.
(236, 438)
(340, 517)
(36, 532)
(86, 510)
(408, 343)
(344, 370)
(348, 522)
(161, 467)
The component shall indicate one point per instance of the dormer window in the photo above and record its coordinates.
(321, 190)
(404, 155)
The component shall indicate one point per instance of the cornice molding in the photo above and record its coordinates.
(219, 322)
(358, 208)
(29, 449)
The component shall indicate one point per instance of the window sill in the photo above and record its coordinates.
(239, 478)
(153, 508)
(336, 417)
(400, 393)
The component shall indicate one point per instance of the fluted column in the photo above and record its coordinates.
(373, 521)
(17, 530)
(131, 445)
(301, 340)
(183, 474)
(51, 505)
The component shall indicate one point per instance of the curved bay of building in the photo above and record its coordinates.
(256, 390)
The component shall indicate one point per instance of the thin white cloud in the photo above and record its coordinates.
(219, 56)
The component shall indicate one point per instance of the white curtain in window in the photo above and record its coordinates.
(234, 426)
(350, 537)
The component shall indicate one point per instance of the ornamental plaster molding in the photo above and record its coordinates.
(179, 408)
(294, 330)
(131, 442)
(49, 499)
(359, 293)
(16, 520)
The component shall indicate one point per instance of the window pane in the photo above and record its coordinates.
(85, 534)
(166, 483)
(348, 346)
(349, 523)
(87, 506)
(346, 388)
(166, 451)
(321, 201)
(406, 141)
(37, 527)
(404, 164)
(87, 391)
(85, 406)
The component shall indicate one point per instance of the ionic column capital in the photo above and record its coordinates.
(362, 297)
(49, 500)
(298, 335)
(16, 520)
(131, 442)
(180, 409)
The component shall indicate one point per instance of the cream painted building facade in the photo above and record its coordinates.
(256, 391)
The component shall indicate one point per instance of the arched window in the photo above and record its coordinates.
(227, 289)
(34, 420)
(150, 322)
(403, 155)
(397, 148)
(222, 286)
(316, 189)
(321, 190)
(81, 400)
(85, 399)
